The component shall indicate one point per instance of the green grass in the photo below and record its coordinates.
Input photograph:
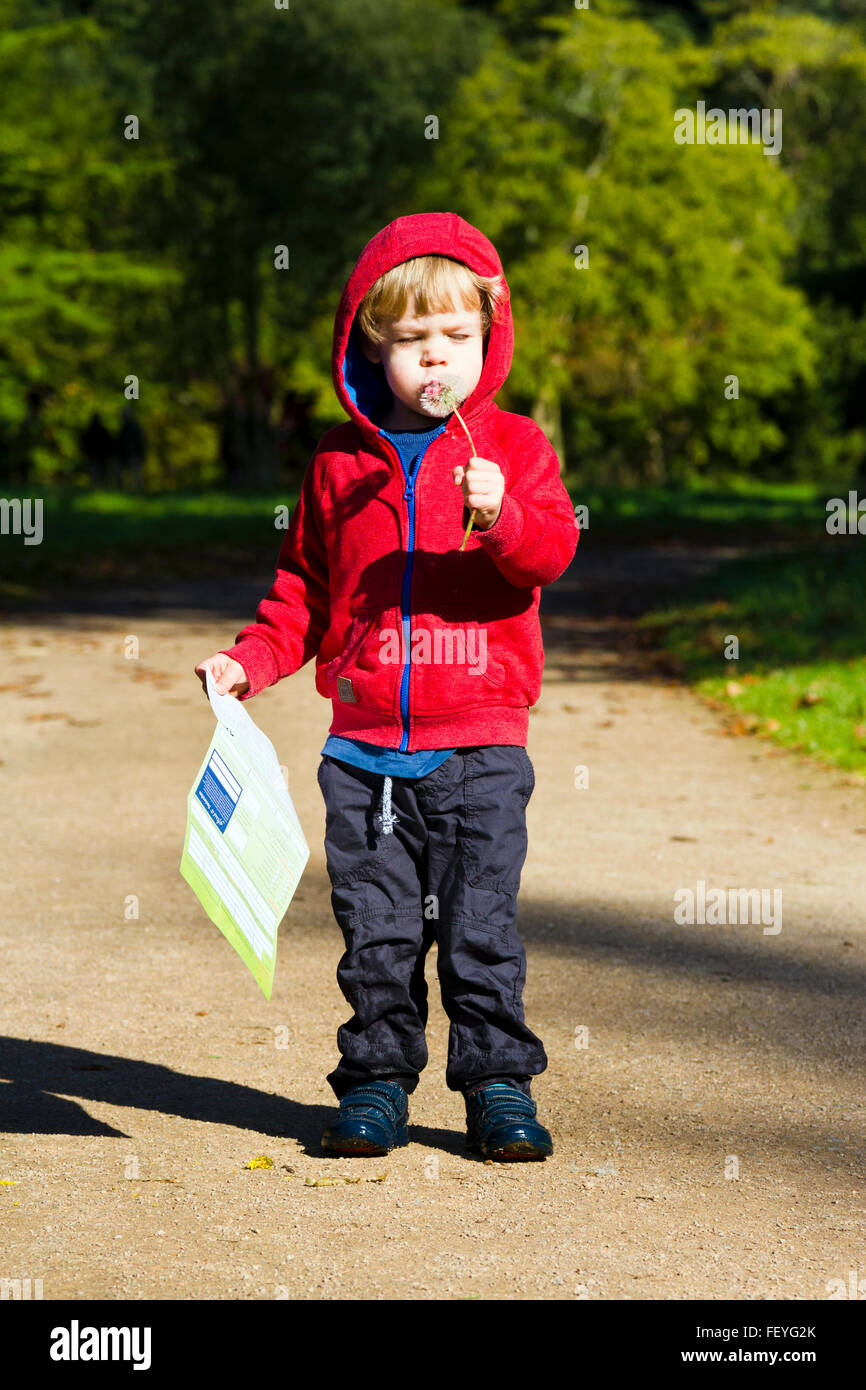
(100, 538)
(742, 511)
(801, 623)
(94, 538)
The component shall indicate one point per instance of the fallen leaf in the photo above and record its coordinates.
(261, 1162)
(22, 684)
(159, 678)
(734, 688)
(339, 1182)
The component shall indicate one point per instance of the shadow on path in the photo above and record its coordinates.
(41, 1076)
(37, 1080)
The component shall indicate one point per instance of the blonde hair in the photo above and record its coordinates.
(438, 283)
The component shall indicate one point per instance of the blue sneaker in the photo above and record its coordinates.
(501, 1124)
(373, 1119)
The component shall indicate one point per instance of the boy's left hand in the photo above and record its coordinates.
(483, 485)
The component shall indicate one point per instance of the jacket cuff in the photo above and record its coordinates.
(258, 662)
(507, 530)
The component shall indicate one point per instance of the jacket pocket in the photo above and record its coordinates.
(366, 671)
(452, 666)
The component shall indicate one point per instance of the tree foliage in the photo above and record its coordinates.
(308, 128)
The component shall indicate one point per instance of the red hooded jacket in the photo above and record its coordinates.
(367, 556)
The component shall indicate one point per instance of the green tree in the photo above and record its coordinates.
(301, 128)
(687, 248)
(815, 73)
(60, 282)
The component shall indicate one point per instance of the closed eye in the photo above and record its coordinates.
(459, 336)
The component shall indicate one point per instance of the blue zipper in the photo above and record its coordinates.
(405, 607)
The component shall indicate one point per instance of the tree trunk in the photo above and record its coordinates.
(656, 462)
(547, 412)
(255, 463)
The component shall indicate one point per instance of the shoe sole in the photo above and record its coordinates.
(521, 1151)
(518, 1153)
(361, 1147)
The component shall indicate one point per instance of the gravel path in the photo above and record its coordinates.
(705, 1082)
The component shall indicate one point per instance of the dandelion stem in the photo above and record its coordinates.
(472, 446)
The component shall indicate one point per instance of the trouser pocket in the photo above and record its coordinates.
(498, 782)
(354, 848)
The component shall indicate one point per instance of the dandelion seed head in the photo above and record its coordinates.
(443, 395)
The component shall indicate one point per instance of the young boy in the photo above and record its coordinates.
(432, 657)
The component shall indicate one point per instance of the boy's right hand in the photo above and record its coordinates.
(229, 675)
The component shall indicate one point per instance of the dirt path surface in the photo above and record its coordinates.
(704, 1087)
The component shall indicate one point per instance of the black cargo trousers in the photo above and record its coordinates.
(448, 871)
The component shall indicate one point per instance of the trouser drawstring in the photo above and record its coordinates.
(388, 816)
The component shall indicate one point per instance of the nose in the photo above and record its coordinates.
(434, 352)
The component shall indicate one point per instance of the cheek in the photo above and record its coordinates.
(395, 367)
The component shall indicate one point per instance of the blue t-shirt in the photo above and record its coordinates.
(410, 444)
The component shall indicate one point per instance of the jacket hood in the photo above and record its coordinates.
(360, 384)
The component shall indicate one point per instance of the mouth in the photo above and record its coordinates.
(442, 395)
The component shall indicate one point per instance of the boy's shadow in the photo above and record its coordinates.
(37, 1079)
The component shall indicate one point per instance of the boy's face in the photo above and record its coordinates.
(418, 348)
